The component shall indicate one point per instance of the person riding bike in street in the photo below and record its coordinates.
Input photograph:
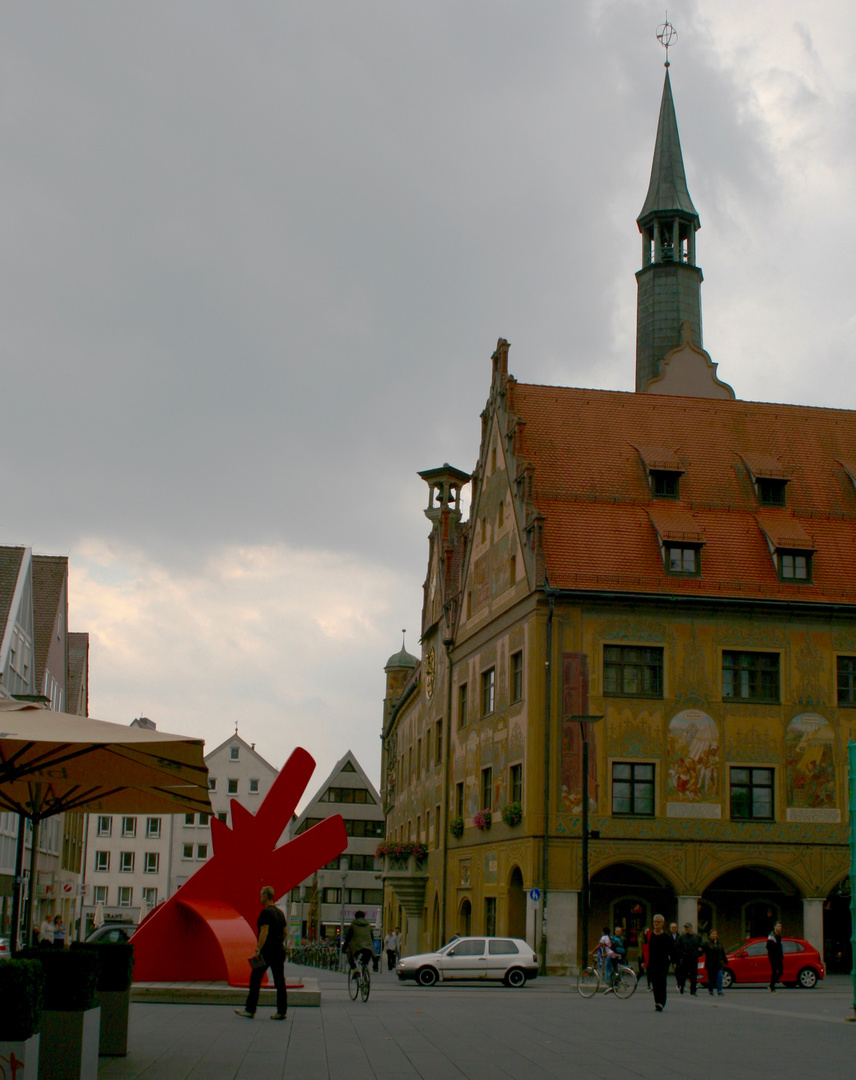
(358, 940)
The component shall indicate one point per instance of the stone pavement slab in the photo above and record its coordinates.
(473, 1032)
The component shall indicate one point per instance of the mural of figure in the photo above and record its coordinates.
(810, 762)
(693, 774)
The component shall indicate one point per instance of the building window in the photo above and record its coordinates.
(517, 676)
(150, 898)
(750, 676)
(418, 758)
(100, 894)
(126, 862)
(190, 819)
(462, 705)
(152, 864)
(490, 916)
(488, 685)
(187, 851)
(752, 794)
(794, 566)
(233, 753)
(105, 826)
(254, 787)
(129, 826)
(771, 490)
(847, 680)
(486, 789)
(515, 783)
(126, 895)
(665, 484)
(632, 788)
(102, 862)
(459, 799)
(212, 783)
(232, 787)
(685, 561)
(223, 817)
(201, 851)
(438, 744)
(203, 819)
(632, 671)
(153, 828)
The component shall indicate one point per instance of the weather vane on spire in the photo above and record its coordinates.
(667, 35)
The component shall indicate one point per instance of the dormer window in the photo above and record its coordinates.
(771, 490)
(794, 566)
(665, 484)
(683, 560)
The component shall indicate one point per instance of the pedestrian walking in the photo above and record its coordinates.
(687, 965)
(661, 949)
(46, 932)
(390, 944)
(714, 962)
(271, 949)
(776, 955)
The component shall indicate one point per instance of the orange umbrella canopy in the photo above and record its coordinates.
(51, 762)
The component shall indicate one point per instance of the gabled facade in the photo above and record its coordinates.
(352, 882)
(679, 565)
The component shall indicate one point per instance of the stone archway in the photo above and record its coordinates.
(465, 918)
(629, 895)
(516, 905)
(747, 901)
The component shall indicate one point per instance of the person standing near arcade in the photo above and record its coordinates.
(776, 955)
(661, 950)
(271, 949)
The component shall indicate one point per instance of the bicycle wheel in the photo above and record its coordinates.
(588, 982)
(624, 982)
(365, 985)
(353, 984)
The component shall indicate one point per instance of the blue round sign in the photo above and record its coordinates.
(535, 895)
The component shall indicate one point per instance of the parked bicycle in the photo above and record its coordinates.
(621, 980)
(359, 979)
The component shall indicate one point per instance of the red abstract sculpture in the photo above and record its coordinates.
(207, 929)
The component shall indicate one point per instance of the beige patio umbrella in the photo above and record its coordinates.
(53, 762)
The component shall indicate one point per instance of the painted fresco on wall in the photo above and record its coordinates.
(810, 762)
(694, 762)
(572, 768)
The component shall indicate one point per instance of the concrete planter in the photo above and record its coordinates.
(69, 1045)
(20, 1059)
(114, 1006)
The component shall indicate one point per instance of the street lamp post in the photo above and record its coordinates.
(302, 902)
(343, 870)
(584, 722)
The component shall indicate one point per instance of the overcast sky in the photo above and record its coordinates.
(254, 260)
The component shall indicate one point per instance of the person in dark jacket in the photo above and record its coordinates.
(776, 955)
(271, 949)
(714, 961)
(687, 965)
(661, 951)
(358, 940)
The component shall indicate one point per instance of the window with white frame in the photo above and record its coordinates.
(102, 862)
(100, 894)
(126, 862)
(152, 863)
(150, 898)
(234, 751)
(129, 826)
(254, 787)
(153, 828)
(190, 819)
(187, 851)
(105, 825)
(232, 787)
(126, 895)
(201, 851)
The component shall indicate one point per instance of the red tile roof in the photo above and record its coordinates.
(601, 523)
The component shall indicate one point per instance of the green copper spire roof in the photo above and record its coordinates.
(667, 190)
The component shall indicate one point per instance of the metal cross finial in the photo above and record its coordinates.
(667, 35)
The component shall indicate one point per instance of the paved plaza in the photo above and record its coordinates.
(472, 1032)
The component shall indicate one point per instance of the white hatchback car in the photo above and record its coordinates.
(481, 958)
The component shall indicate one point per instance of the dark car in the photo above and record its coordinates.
(112, 931)
(748, 963)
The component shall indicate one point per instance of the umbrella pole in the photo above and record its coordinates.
(31, 892)
(18, 887)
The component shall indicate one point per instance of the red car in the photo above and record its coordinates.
(749, 964)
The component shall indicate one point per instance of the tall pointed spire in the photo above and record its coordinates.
(669, 283)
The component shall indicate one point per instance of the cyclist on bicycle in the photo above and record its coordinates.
(358, 940)
(607, 953)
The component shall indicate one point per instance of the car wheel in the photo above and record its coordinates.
(727, 979)
(807, 978)
(515, 977)
(426, 976)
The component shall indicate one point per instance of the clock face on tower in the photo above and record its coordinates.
(429, 673)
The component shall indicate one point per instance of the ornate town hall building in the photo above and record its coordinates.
(680, 565)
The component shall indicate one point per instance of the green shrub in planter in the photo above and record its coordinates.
(117, 962)
(22, 984)
(71, 976)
